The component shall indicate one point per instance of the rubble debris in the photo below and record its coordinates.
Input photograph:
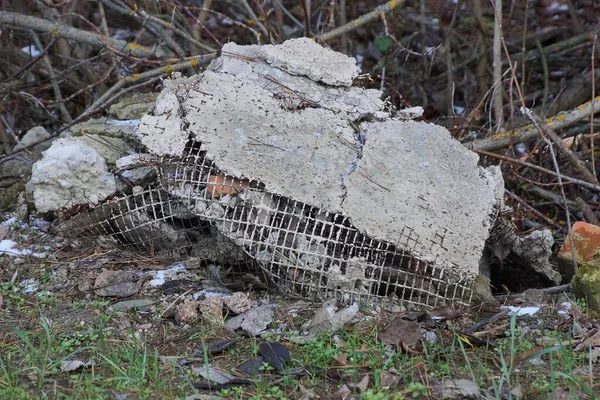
(70, 173)
(15, 170)
(73, 365)
(459, 389)
(133, 107)
(137, 304)
(135, 174)
(238, 302)
(308, 177)
(586, 242)
(213, 374)
(586, 245)
(211, 309)
(532, 251)
(254, 321)
(159, 276)
(186, 312)
(586, 285)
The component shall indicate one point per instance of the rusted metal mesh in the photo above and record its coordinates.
(196, 209)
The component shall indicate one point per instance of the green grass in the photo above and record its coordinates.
(130, 363)
(31, 364)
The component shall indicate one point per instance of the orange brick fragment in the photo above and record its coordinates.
(586, 240)
(219, 186)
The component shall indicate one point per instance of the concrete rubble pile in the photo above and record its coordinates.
(274, 157)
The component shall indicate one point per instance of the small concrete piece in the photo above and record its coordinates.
(303, 58)
(238, 302)
(186, 313)
(254, 321)
(35, 135)
(133, 171)
(111, 138)
(133, 107)
(68, 174)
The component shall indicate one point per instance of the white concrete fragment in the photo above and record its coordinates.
(135, 174)
(522, 311)
(159, 276)
(68, 174)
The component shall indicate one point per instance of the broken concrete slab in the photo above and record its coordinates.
(306, 141)
(413, 175)
(314, 179)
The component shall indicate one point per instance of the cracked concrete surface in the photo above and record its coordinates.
(273, 114)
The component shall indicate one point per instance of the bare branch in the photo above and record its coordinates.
(382, 9)
(526, 133)
(64, 31)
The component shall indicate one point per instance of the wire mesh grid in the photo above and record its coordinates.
(302, 249)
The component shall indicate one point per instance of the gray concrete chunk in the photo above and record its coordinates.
(263, 114)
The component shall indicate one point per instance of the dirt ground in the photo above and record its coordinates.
(61, 339)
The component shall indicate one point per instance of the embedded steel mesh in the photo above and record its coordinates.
(196, 209)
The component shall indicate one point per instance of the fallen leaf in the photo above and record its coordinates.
(276, 354)
(3, 231)
(363, 384)
(118, 283)
(327, 322)
(401, 331)
(342, 393)
(389, 379)
(322, 315)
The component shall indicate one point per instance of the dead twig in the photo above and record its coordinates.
(527, 133)
(57, 93)
(576, 181)
(382, 9)
(545, 132)
(497, 66)
(575, 161)
(68, 32)
(533, 210)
